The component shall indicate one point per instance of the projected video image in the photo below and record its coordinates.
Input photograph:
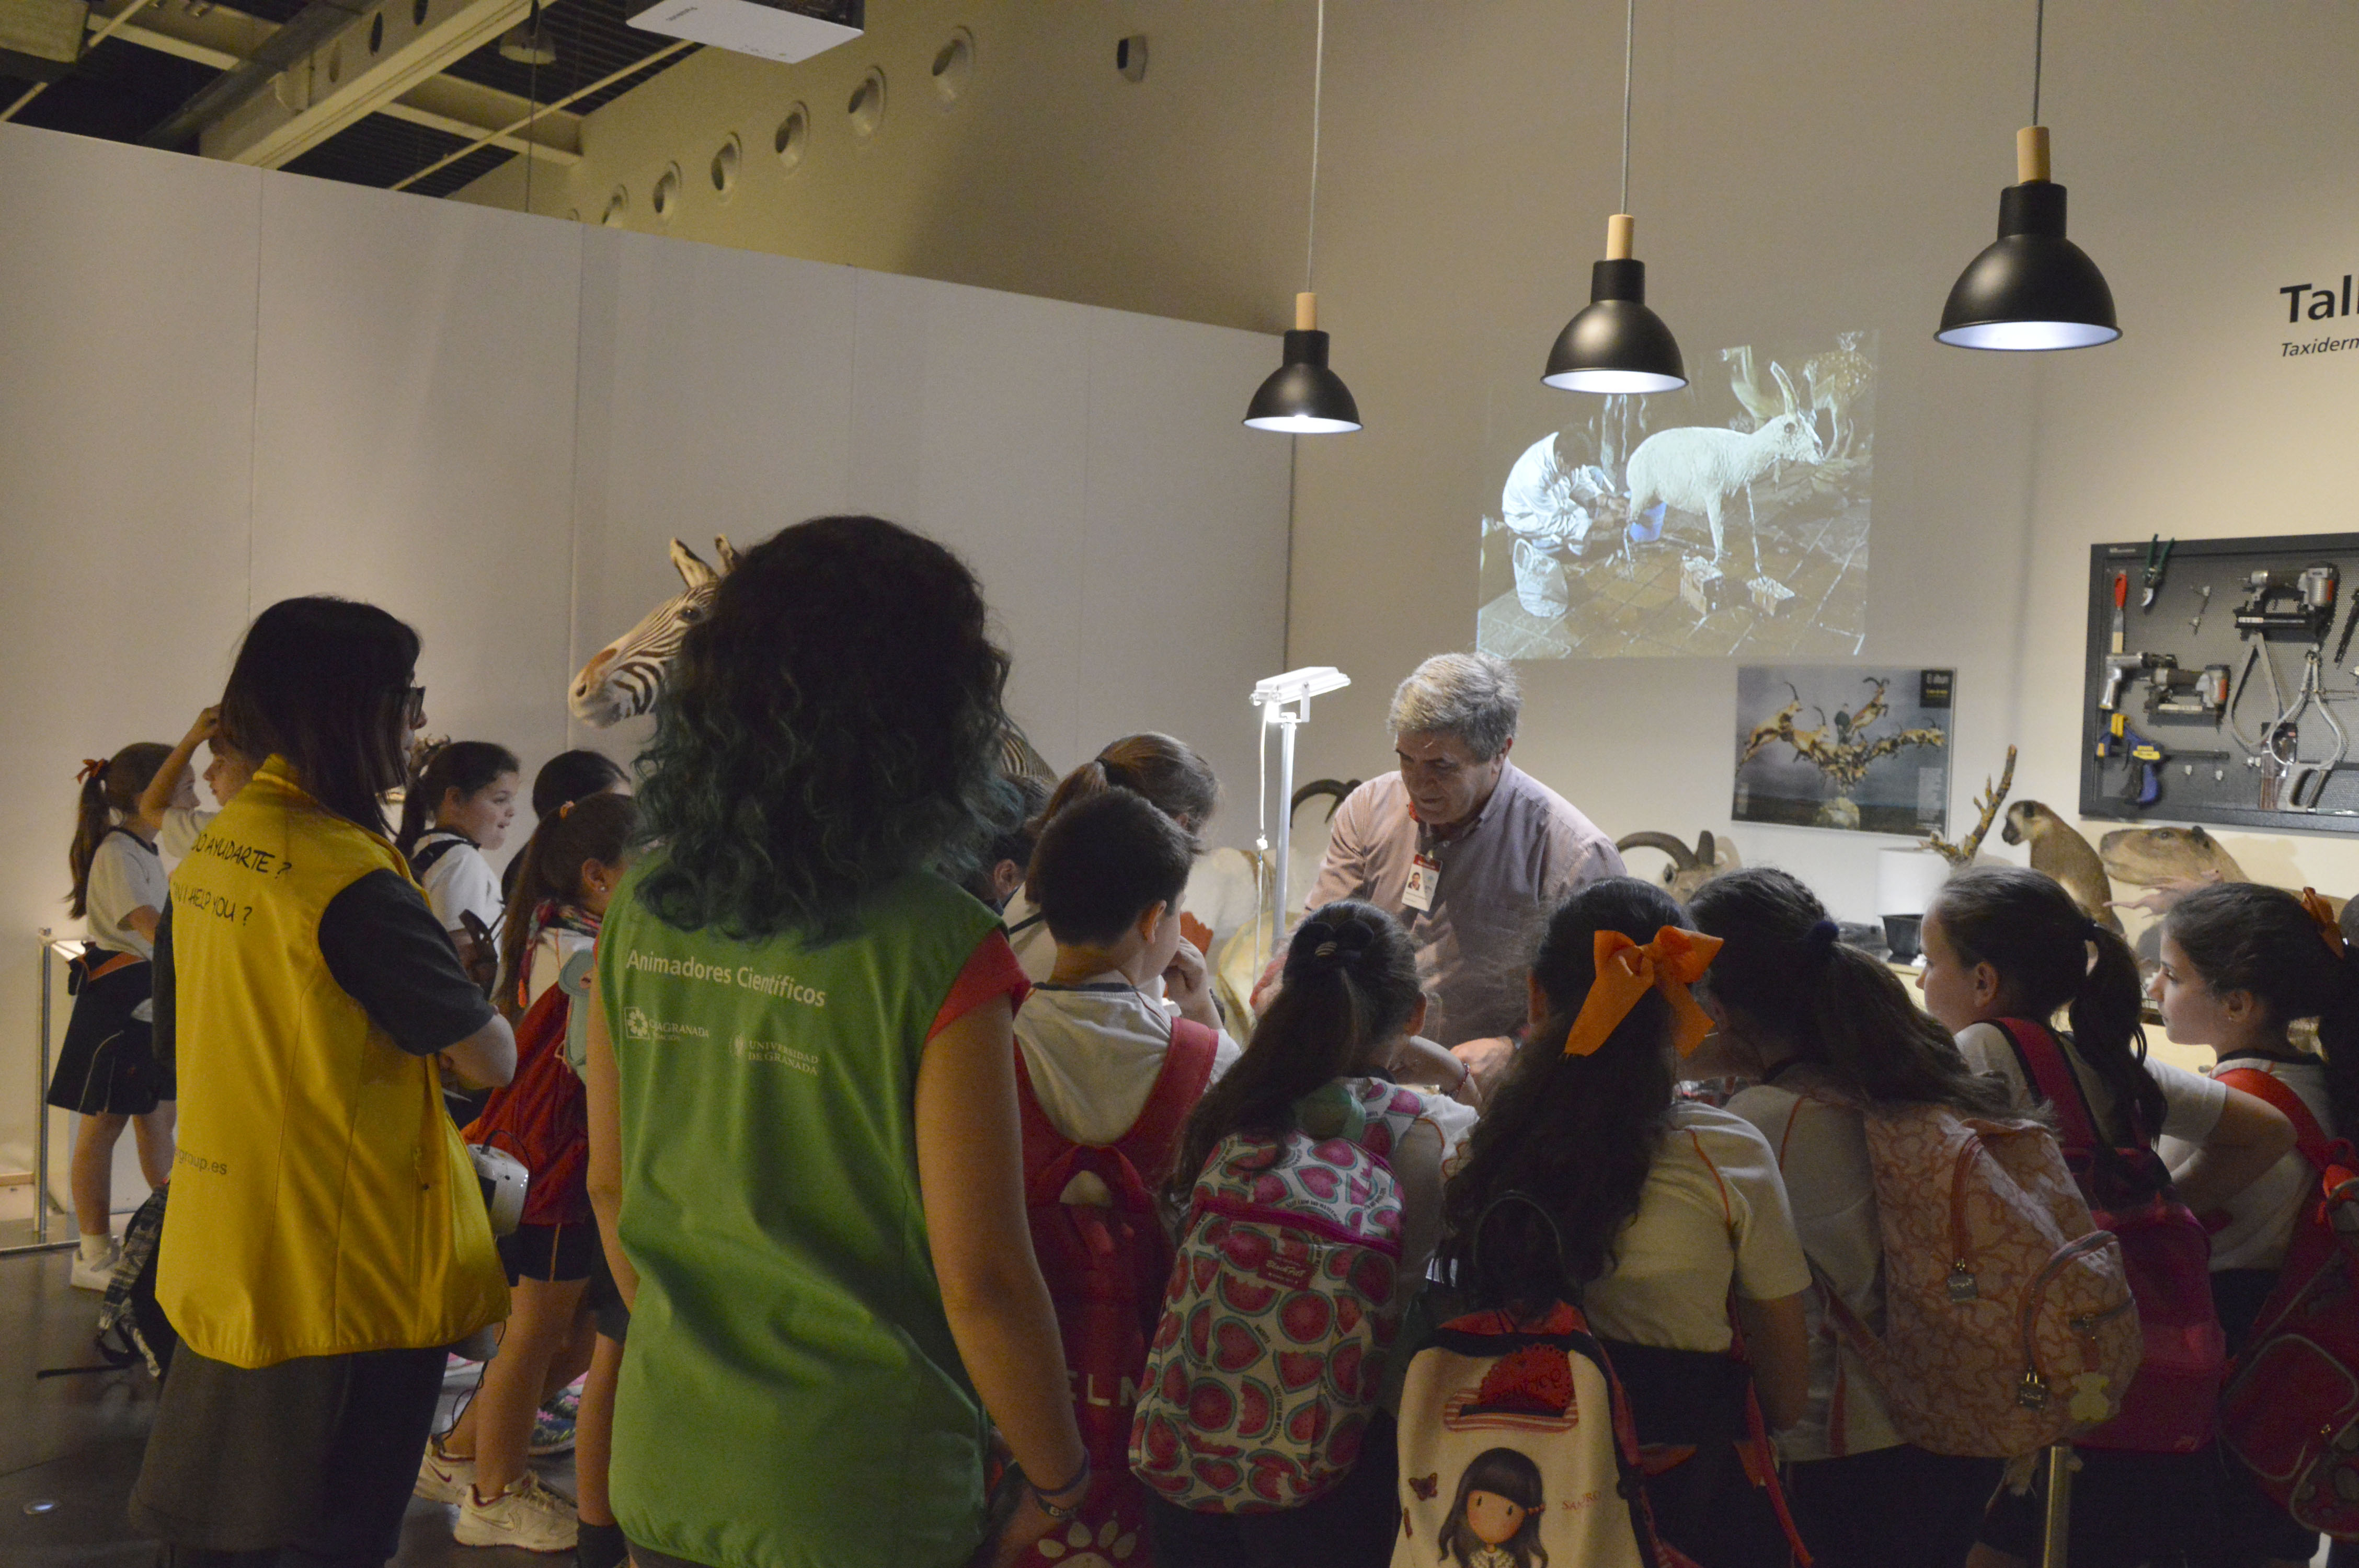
(1727, 517)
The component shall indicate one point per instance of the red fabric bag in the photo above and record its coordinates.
(1105, 1265)
(2169, 1405)
(542, 1117)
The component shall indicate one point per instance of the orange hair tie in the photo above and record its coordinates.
(1627, 970)
(92, 768)
(565, 811)
(2330, 930)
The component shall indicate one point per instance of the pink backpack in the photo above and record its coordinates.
(1280, 1310)
(2008, 1322)
(2166, 1251)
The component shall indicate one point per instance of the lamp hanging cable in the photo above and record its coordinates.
(1629, 32)
(1318, 76)
(2039, 51)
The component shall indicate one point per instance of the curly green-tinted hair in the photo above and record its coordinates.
(832, 725)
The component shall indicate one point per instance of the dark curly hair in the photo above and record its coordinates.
(2243, 936)
(1351, 986)
(832, 725)
(1575, 1134)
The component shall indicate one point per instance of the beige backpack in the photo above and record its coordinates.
(2008, 1323)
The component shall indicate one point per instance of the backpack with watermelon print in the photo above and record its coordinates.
(1280, 1310)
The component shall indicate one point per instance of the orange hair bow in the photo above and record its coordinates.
(92, 768)
(2330, 930)
(1627, 970)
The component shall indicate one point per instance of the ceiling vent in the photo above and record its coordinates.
(786, 31)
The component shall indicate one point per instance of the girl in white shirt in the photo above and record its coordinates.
(106, 1069)
(2240, 962)
(457, 812)
(1822, 1030)
(2004, 942)
(1663, 1211)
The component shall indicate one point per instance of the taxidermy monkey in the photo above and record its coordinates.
(2060, 850)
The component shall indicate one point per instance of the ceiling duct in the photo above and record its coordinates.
(783, 30)
(311, 27)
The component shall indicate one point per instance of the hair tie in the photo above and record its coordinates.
(1627, 970)
(2330, 930)
(92, 768)
(565, 811)
(1823, 936)
(1325, 944)
(2092, 928)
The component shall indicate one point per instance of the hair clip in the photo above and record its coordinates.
(92, 768)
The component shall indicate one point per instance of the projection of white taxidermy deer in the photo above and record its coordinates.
(622, 679)
(1697, 468)
(1837, 380)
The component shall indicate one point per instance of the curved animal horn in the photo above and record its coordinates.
(691, 566)
(1707, 849)
(1333, 789)
(1786, 387)
(726, 553)
(1682, 858)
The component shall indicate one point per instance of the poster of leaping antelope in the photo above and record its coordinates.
(1728, 517)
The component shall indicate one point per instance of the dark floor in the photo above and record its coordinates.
(74, 1443)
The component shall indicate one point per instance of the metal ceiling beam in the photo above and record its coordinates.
(224, 39)
(335, 64)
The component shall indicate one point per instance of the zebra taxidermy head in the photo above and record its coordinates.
(622, 679)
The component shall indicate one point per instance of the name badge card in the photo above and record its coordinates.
(1424, 881)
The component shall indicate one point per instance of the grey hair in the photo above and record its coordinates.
(1472, 695)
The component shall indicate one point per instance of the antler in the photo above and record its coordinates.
(1964, 854)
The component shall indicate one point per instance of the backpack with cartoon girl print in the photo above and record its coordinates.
(1280, 1310)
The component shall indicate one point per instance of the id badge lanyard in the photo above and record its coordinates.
(1424, 879)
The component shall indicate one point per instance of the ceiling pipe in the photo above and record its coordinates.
(309, 28)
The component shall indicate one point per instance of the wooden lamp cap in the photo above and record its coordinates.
(1306, 312)
(2030, 154)
(1619, 230)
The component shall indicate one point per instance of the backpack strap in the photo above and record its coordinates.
(1154, 1138)
(2044, 1064)
(1042, 1140)
(2310, 1139)
(421, 861)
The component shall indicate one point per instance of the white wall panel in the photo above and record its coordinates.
(414, 438)
(126, 406)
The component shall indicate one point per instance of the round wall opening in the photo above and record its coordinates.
(665, 200)
(792, 140)
(725, 166)
(618, 209)
(865, 108)
(376, 32)
(955, 65)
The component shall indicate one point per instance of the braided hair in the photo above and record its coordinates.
(1351, 985)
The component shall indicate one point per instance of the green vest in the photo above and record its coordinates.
(790, 1394)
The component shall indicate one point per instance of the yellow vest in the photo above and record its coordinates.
(322, 1203)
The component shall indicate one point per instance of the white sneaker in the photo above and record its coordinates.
(440, 1478)
(527, 1516)
(89, 1276)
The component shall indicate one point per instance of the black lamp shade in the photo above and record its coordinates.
(2032, 288)
(1303, 397)
(1616, 345)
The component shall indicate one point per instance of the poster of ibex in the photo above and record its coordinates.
(1729, 517)
(1866, 750)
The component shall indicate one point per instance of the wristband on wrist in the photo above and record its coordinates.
(1077, 1488)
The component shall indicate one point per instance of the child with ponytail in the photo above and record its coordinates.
(2007, 944)
(1825, 1031)
(2241, 962)
(107, 1070)
(1316, 1064)
(569, 871)
(460, 799)
(1665, 1212)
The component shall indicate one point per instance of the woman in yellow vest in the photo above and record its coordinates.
(801, 1079)
(326, 1238)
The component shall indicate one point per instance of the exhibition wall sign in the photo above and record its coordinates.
(1728, 517)
(1863, 750)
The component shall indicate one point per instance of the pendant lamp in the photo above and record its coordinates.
(1616, 345)
(2032, 288)
(1303, 397)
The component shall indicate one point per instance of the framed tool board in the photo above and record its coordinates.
(2231, 698)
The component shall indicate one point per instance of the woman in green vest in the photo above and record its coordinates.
(326, 1238)
(804, 1150)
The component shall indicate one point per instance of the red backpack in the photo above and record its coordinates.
(542, 1117)
(1105, 1264)
(2171, 1405)
(2292, 1412)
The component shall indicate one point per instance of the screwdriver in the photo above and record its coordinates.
(2121, 598)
